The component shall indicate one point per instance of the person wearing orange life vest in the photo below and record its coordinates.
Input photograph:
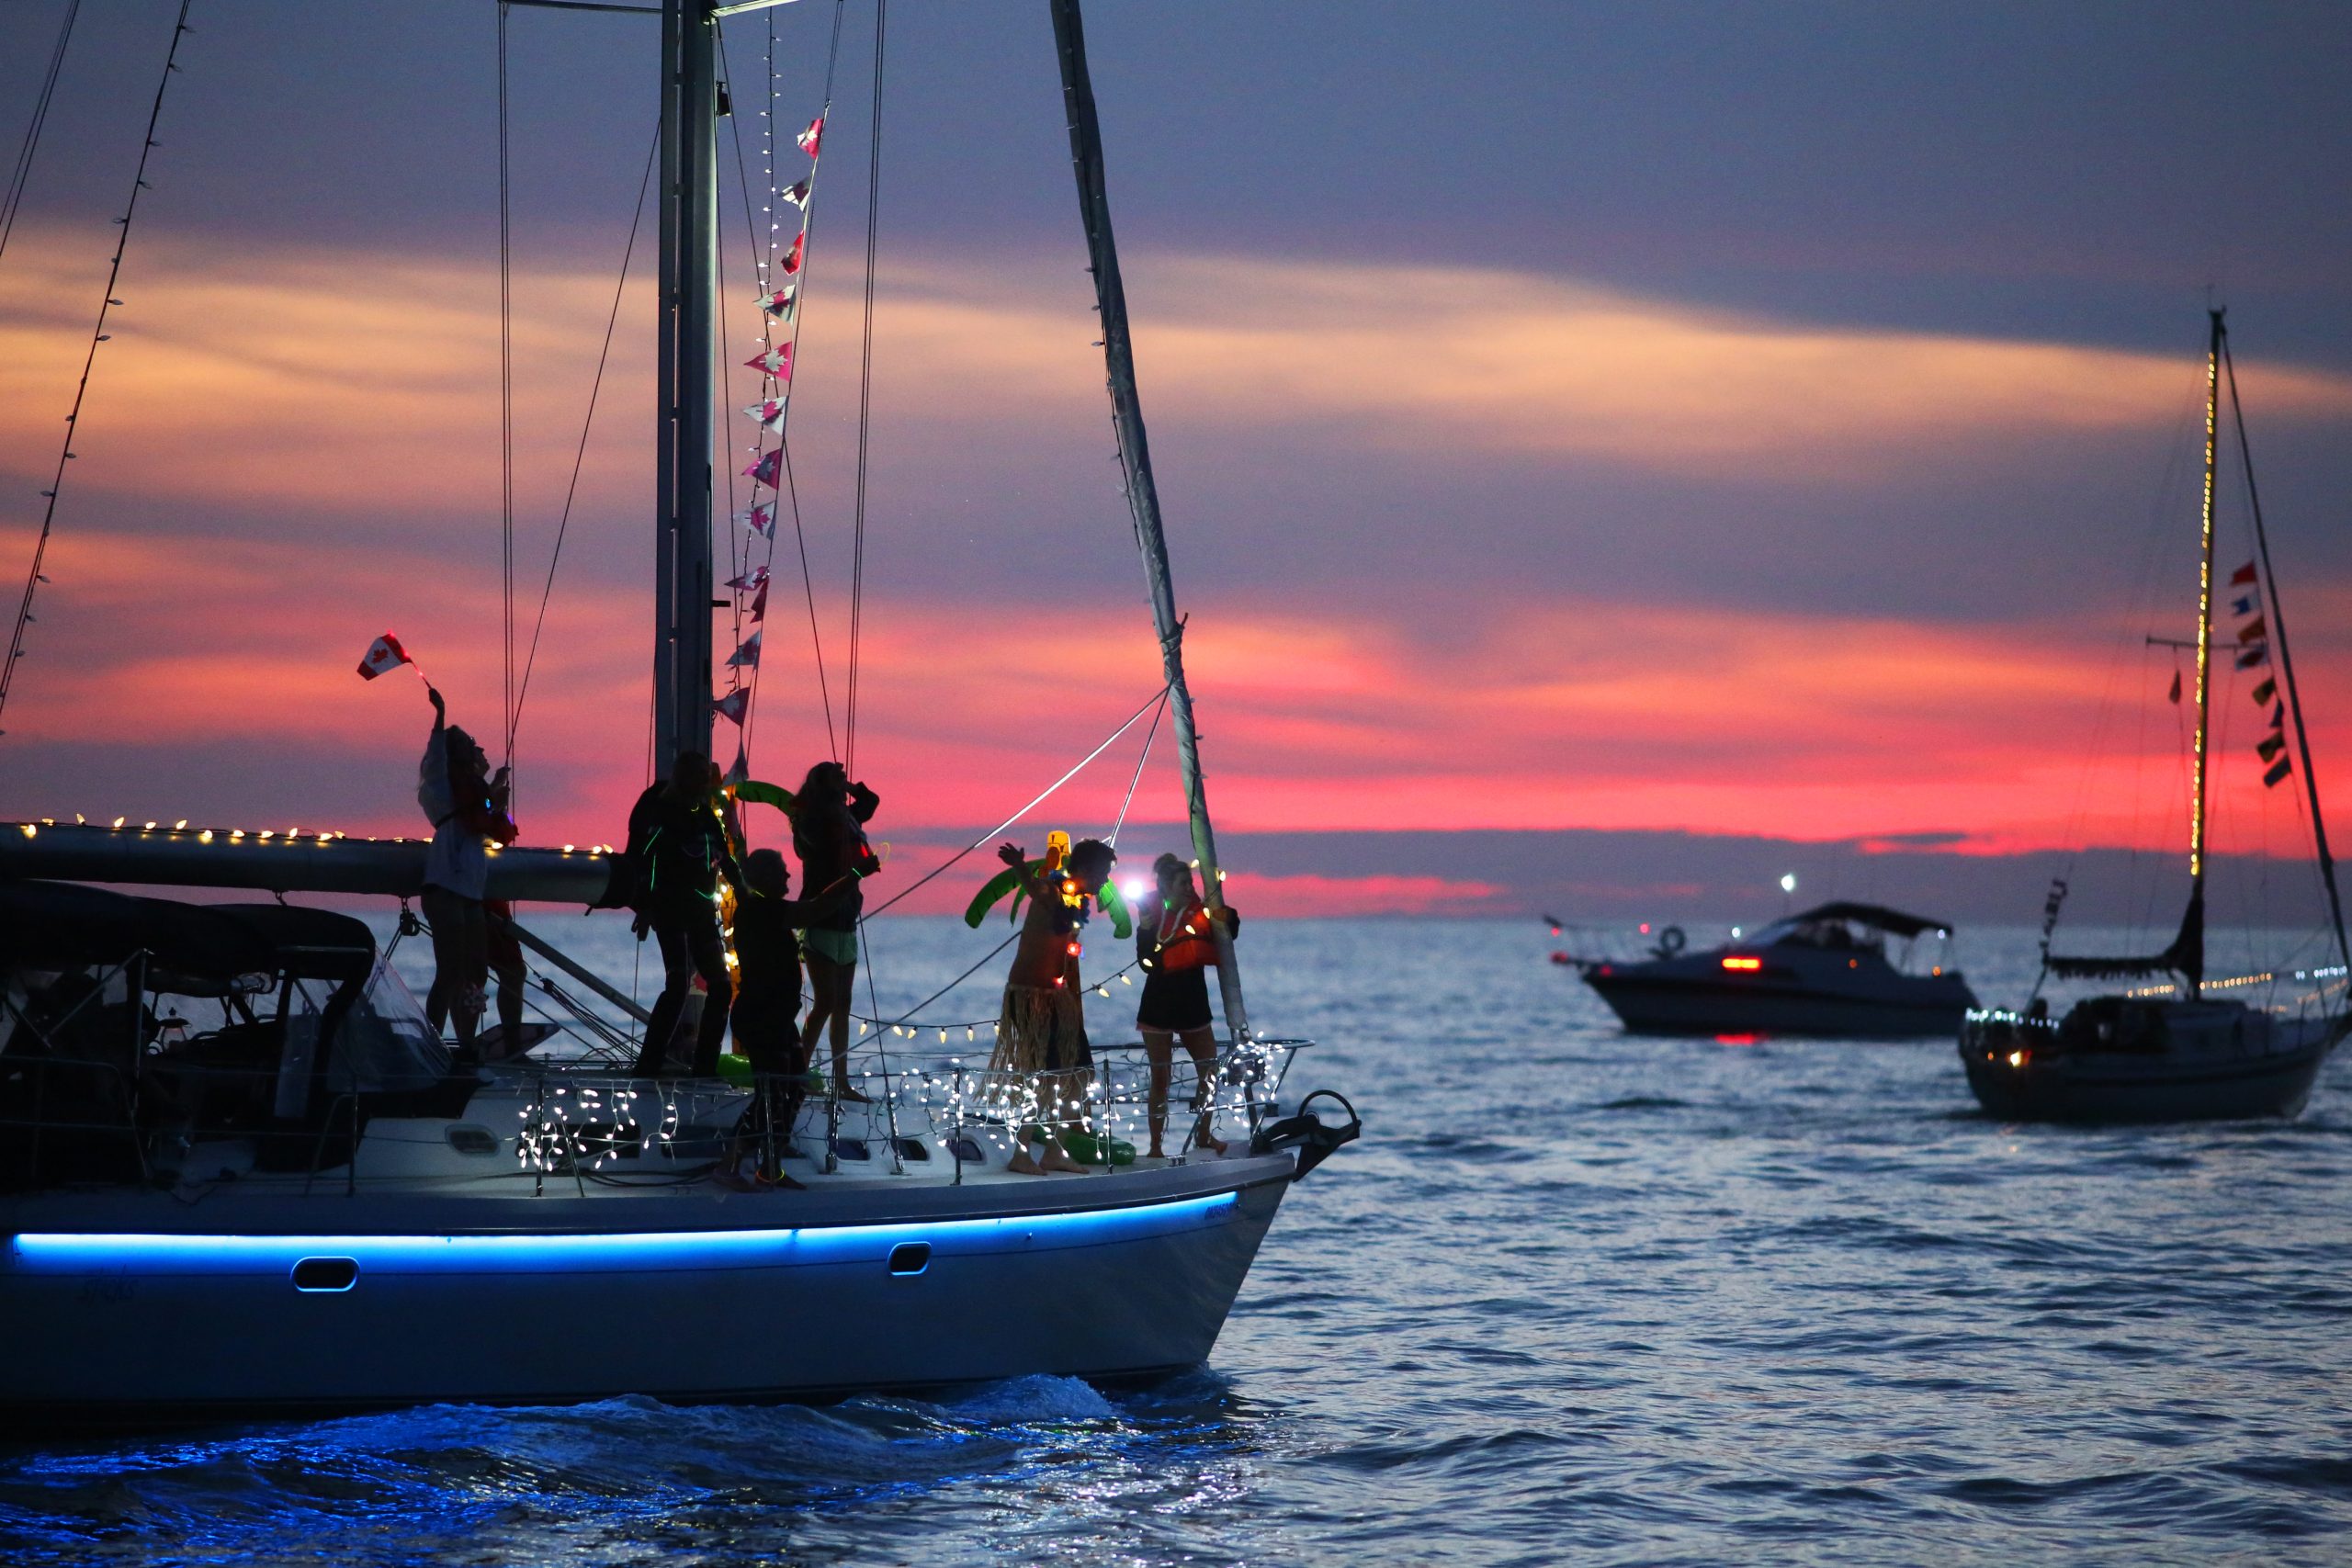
(1175, 945)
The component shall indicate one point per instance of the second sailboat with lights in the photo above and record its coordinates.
(2186, 1046)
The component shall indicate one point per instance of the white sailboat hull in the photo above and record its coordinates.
(131, 1307)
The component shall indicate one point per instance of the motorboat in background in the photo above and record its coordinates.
(2164, 1050)
(1825, 972)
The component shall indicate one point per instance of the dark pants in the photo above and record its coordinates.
(691, 945)
(764, 1031)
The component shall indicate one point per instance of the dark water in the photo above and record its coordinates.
(1575, 1297)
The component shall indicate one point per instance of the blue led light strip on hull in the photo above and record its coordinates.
(75, 1252)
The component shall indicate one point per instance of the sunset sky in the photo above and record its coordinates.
(1744, 421)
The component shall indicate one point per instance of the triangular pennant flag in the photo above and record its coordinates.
(2265, 692)
(760, 520)
(2246, 604)
(768, 415)
(795, 193)
(774, 362)
(748, 655)
(760, 600)
(764, 471)
(782, 303)
(2254, 657)
(2174, 695)
(740, 769)
(2253, 631)
(790, 265)
(2279, 770)
(384, 653)
(732, 705)
(813, 138)
(2278, 715)
(2270, 745)
(2243, 576)
(757, 578)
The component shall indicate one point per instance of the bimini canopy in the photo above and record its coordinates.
(60, 925)
(1895, 922)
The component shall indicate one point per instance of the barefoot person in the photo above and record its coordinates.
(829, 817)
(1175, 947)
(1041, 1033)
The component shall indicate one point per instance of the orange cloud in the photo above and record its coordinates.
(316, 378)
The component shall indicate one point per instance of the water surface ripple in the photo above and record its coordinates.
(1575, 1297)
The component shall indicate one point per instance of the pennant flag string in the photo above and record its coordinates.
(747, 656)
(732, 705)
(2243, 576)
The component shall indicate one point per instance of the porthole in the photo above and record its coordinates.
(325, 1276)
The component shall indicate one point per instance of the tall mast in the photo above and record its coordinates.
(2192, 929)
(684, 406)
(1134, 458)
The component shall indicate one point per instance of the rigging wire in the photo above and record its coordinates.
(580, 455)
(864, 391)
(15, 196)
(1141, 758)
(1129, 723)
(33, 578)
(506, 399)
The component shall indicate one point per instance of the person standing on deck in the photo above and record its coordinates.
(1041, 1032)
(1175, 947)
(680, 842)
(829, 817)
(467, 810)
(767, 1000)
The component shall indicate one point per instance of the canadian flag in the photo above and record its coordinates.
(776, 361)
(748, 655)
(769, 414)
(733, 703)
(790, 265)
(780, 303)
(797, 193)
(760, 520)
(760, 599)
(765, 470)
(384, 653)
(755, 578)
(812, 138)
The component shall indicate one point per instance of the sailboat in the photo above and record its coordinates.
(306, 1206)
(2169, 1050)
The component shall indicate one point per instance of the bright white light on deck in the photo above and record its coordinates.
(1789, 883)
(1135, 887)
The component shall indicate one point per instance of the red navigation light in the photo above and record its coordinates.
(1645, 928)
(1743, 963)
(1739, 1039)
